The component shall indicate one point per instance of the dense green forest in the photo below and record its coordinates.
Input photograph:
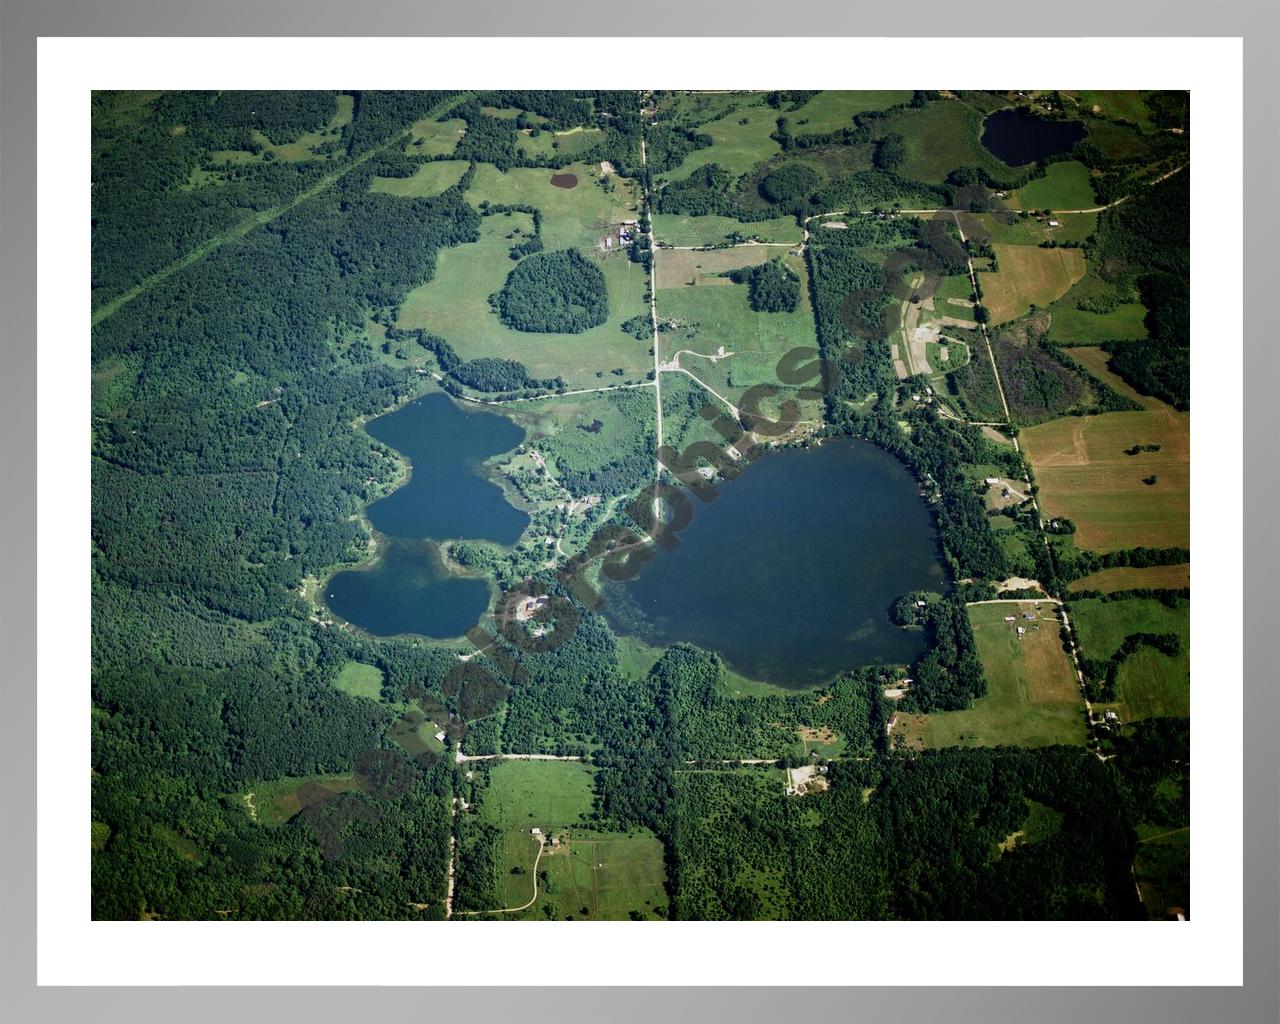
(554, 293)
(246, 311)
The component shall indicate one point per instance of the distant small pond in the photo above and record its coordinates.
(447, 496)
(789, 574)
(1018, 138)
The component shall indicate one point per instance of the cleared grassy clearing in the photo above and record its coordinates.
(1033, 698)
(1028, 276)
(360, 680)
(429, 179)
(1065, 186)
(1150, 683)
(588, 876)
(711, 317)
(681, 229)
(1117, 104)
(455, 305)
(680, 268)
(737, 147)
(576, 217)
(430, 137)
(275, 802)
(1154, 577)
(304, 147)
(568, 143)
(1072, 326)
(835, 108)
(538, 794)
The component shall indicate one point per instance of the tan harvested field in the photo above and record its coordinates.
(1155, 577)
(679, 268)
(1028, 276)
(1084, 473)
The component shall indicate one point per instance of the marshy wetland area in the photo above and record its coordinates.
(641, 505)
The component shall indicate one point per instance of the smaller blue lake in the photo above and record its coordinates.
(1018, 138)
(448, 496)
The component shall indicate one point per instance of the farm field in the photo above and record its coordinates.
(1074, 326)
(609, 874)
(1152, 577)
(1084, 473)
(711, 316)
(455, 305)
(543, 794)
(1065, 186)
(736, 147)
(711, 229)
(566, 143)
(430, 179)
(593, 876)
(1033, 698)
(1028, 276)
(1149, 683)
(1009, 228)
(835, 108)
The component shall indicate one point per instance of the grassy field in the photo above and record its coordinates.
(455, 305)
(1008, 228)
(579, 216)
(835, 108)
(429, 179)
(360, 680)
(1073, 326)
(543, 794)
(736, 147)
(1033, 699)
(709, 317)
(587, 876)
(1028, 276)
(567, 143)
(1065, 186)
(679, 268)
(1150, 683)
(1154, 577)
(1118, 104)
(682, 229)
(608, 875)
(1084, 473)
(302, 148)
(430, 137)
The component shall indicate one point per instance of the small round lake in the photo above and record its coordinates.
(790, 572)
(1018, 138)
(447, 496)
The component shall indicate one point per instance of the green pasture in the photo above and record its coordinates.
(455, 305)
(360, 680)
(1033, 698)
(1150, 684)
(711, 229)
(1065, 186)
(430, 179)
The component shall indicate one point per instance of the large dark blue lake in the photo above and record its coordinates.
(789, 574)
(447, 496)
(1017, 137)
